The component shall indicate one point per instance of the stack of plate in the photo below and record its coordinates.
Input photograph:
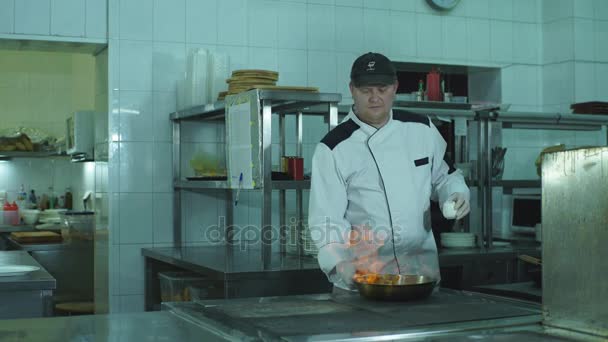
(458, 240)
(243, 80)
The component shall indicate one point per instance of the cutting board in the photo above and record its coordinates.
(36, 237)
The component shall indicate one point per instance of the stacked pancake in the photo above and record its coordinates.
(243, 80)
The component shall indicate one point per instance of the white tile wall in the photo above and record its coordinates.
(400, 5)
(478, 9)
(600, 8)
(583, 9)
(162, 217)
(429, 35)
(321, 27)
(292, 67)
(501, 32)
(164, 103)
(349, 31)
(136, 163)
(234, 33)
(168, 65)
(136, 224)
(601, 70)
(7, 16)
(263, 58)
(169, 24)
(526, 40)
(478, 39)
(557, 9)
(136, 19)
(292, 21)
(32, 17)
(526, 10)
(263, 22)
(601, 48)
(376, 30)
(501, 9)
(322, 70)
(136, 117)
(201, 21)
(454, 38)
(96, 24)
(131, 273)
(584, 39)
(68, 18)
(135, 65)
(558, 40)
(162, 170)
(403, 35)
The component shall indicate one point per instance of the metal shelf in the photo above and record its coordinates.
(282, 102)
(276, 185)
(511, 183)
(25, 154)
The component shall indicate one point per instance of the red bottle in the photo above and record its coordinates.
(433, 86)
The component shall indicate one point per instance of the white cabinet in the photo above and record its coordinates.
(68, 18)
(7, 16)
(32, 17)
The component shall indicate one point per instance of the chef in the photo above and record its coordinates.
(372, 179)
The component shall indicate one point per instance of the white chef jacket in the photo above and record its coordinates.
(380, 181)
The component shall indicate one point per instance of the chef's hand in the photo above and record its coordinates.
(462, 204)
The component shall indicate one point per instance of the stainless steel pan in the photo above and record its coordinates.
(394, 287)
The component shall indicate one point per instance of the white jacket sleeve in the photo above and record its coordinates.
(326, 212)
(445, 180)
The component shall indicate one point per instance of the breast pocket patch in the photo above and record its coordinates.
(421, 161)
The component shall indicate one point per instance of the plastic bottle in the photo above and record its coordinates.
(13, 214)
(68, 199)
(22, 197)
(32, 200)
(6, 208)
(52, 198)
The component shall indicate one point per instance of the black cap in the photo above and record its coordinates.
(373, 69)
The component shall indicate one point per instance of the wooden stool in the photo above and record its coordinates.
(75, 308)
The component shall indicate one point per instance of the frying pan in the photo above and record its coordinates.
(394, 287)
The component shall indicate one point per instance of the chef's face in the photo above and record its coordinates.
(374, 102)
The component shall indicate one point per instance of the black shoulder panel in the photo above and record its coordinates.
(342, 132)
(406, 116)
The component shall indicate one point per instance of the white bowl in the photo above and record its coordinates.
(29, 216)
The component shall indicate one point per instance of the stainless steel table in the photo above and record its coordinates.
(28, 295)
(241, 274)
(140, 327)
(348, 317)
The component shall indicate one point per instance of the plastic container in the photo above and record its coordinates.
(81, 224)
(176, 286)
(11, 214)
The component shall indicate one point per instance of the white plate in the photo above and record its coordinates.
(450, 244)
(16, 270)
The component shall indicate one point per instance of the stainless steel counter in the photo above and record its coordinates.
(38, 280)
(149, 326)
(28, 295)
(242, 275)
(350, 317)
(21, 228)
(235, 263)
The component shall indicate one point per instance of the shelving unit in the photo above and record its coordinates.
(269, 102)
(520, 120)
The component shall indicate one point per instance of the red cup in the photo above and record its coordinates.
(296, 168)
